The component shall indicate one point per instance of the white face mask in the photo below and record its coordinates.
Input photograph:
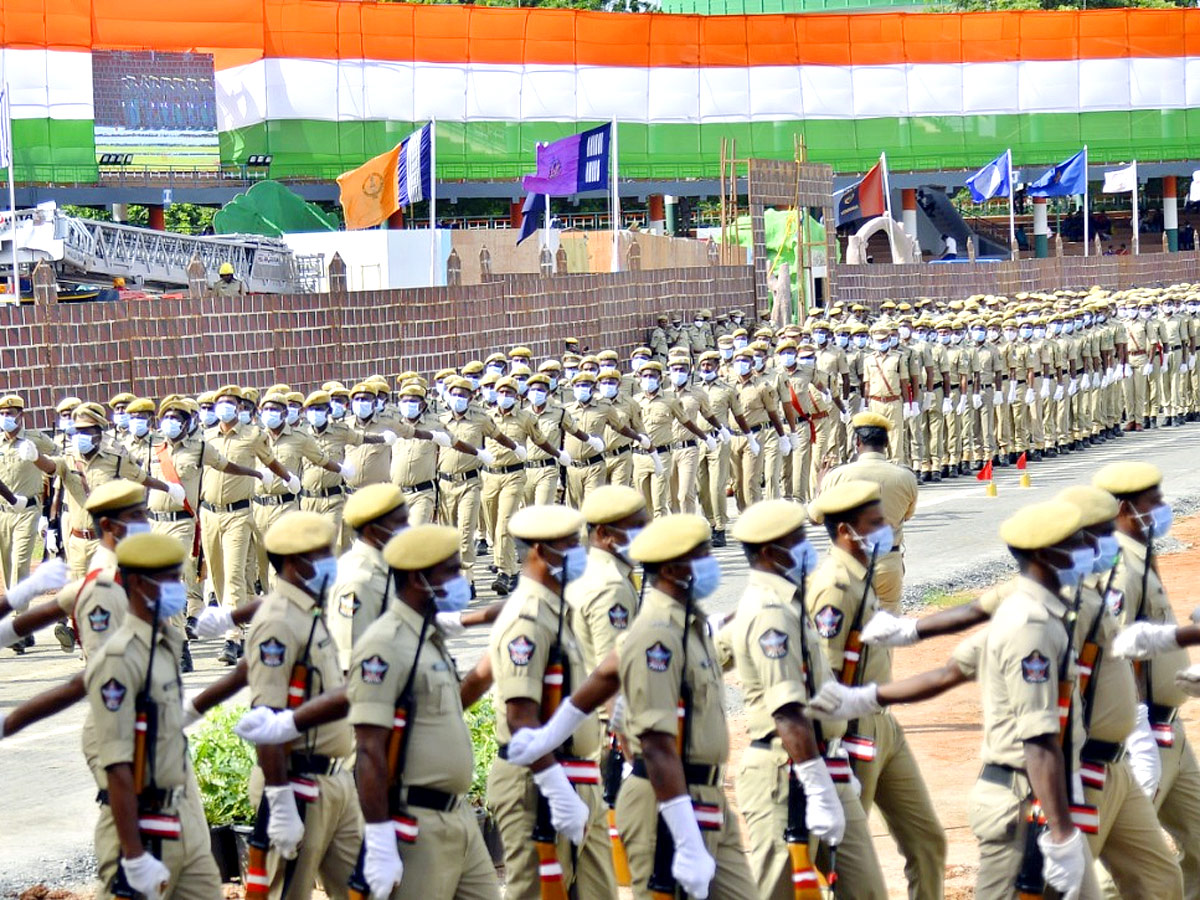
(410, 409)
(649, 384)
(316, 417)
(741, 366)
(537, 396)
(364, 409)
(138, 426)
(788, 359)
(244, 416)
(609, 389)
(293, 415)
(506, 401)
(226, 411)
(679, 379)
(708, 375)
(172, 427)
(582, 392)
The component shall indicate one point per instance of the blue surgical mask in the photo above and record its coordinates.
(726, 353)
(364, 409)
(804, 561)
(472, 379)
(494, 368)
(622, 548)
(172, 600)
(226, 411)
(1025, 332)
(458, 402)
(410, 409)
(709, 375)
(172, 428)
(66, 425)
(842, 340)
(9, 423)
(553, 383)
(570, 373)
(506, 401)
(1106, 554)
(1082, 559)
(138, 427)
(132, 528)
(679, 379)
(454, 595)
(316, 417)
(741, 366)
(879, 541)
(337, 408)
(582, 392)
(380, 404)
(788, 359)
(760, 363)
(293, 415)
(649, 384)
(245, 417)
(740, 342)
(706, 576)
(324, 573)
(83, 443)
(522, 386)
(946, 339)
(537, 396)
(608, 389)
(574, 561)
(1160, 520)
(821, 337)
(272, 418)
(208, 417)
(121, 419)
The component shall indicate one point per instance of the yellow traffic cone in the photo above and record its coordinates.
(1025, 482)
(991, 489)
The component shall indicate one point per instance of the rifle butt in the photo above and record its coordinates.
(357, 887)
(620, 859)
(550, 873)
(806, 880)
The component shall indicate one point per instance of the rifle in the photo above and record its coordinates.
(397, 752)
(854, 661)
(612, 785)
(1141, 668)
(1090, 656)
(1030, 883)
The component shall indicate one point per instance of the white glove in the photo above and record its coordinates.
(644, 441)
(836, 701)
(389, 436)
(724, 435)
(886, 630)
(1030, 397)
(1144, 639)
(27, 452)
(691, 866)
(285, 830)
(269, 479)
(3, 719)
(263, 725)
(293, 484)
(521, 453)
(191, 715)
(1063, 865)
(928, 399)
(214, 621)
(347, 470)
(1188, 680)
(450, 623)
(382, 867)
(1058, 393)
(568, 813)
(754, 445)
(846, 415)
(147, 875)
(797, 441)
(528, 745)
(1085, 381)
(1128, 371)
(785, 445)
(1045, 391)
(1012, 392)
(906, 412)
(49, 576)
(998, 398)
(827, 396)
(441, 438)
(947, 406)
(824, 815)
(52, 542)
(564, 458)
(1143, 754)
(1072, 388)
(962, 405)
(43, 525)
(710, 442)
(8, 632)
(658, 466)
(596, 443)
(485, 457)
(1148, 369)
(1111, 374)
(977, 400)
(175, 492)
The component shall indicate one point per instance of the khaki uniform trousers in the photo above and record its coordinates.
(655, 487)
(823, 449)
(1129, 841)
(331, 508)
(512, 798)
(1030, 426)
(1006, 418)
(582, 480)
(762, 794)
(983, 427)
(772, 459)
(712, 479)
(893, 782)
(448, 861)
(184, 531)
(333, 834)
(893, 411)
(502, 496)
(914, 443)
(1174, 395)
(798, 465)
(934, 425)
(422, 506)
(194, 874)
(458, 507)
(620, 466)
(889, 581)
(1155, 397)
(637, 821)
(998, 816)
(79, 552)
(1178, 805)
(685, 487)
(1068, 415)
(541, 485)
(227, 537)
(1136, 388)
(18, 533)
(264, 517)
(747, 470)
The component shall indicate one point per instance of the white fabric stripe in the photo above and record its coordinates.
(412, 168)
(49, 84)
(356, 90)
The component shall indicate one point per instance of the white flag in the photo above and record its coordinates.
(1194, 192)
(1121, 181)
(5, 129)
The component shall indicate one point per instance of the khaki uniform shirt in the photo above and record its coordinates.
(185, 455)
(82, 475)
(1110, 715)
(1140, 339)
(832, 362)
(438, 752)
(884, 376)
(245, 445)
(519, 647)
(22, 477)
(114, 678)
(659, 414)
(95, 603)
(335, 441)
(605, 601)
(600, 418)
(835, 593)
(652, 669)
(695, 404)
(373, 461)
(897, 484)
(517, 425)
(356, 598)
(722, 400)
(472, 427)
(551, 422)
(757, 400)
(415, 461)
(278, 636)
(627, 407)
(295, 450)
(990, 368)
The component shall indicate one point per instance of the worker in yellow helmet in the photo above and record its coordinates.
(227, 285)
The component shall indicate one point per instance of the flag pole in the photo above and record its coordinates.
(433, 254)
(1137, 242)
(615, 202)
(546, 219)
(11, 153)
(887, 185)
(1086, 213)
(1012, 222)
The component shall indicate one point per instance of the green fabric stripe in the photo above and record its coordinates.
(48, 150)
(500, 150)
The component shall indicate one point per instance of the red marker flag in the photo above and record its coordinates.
(1021, 461)
(985, 474)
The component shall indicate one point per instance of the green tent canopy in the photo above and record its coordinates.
(781, 234)
(270, 209)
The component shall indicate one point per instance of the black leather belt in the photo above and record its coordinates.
(692, 774)
(236, 506)
(505, 470)
(315, 764)
(325, 493)
(274, 499)
(540, 463)
(178, 515)
(417, 488)
(156, 797)
(1162, 715)
(589, 462)
(1101, 751)
(753, 429)
(1177, 346)
(661, 448)
(428, 798)
(459, 477)
(998, 774)
(620, 451)
(683, 445)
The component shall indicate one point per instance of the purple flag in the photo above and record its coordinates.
(572, 164)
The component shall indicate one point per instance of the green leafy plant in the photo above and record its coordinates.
(481, 722)
(222, 762)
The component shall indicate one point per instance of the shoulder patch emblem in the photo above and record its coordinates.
(1035, 668)
(348, 605)
(829, 621)
(99, 619)
(658, 657)
(1115, 601)
(618, 617)
(520, 650)
(774, 644)
(271, 653)
(113, 693)
(373, 670)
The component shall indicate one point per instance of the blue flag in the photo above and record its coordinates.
(572, 164)
(532, 214)
(1067, 178)
(991, 181)
(414, 168)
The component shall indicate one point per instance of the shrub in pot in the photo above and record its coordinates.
(222, 762)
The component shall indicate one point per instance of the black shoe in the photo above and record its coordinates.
(66, 637)
(977, 466)
(964, 468)
(492, 568)
(924, 478)
(481, 547)
(1167, 422)
(1050, 452)
(189, 628)
(945, 473)
(29, 640)
(1035, 456)
(718, 538)
(229, 653)
(185, 660)
(18, 648)
(501, 585)
(1001, 462)
(472, 590)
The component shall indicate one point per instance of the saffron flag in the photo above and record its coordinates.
(864, 200)
(369, 193)
(573, 164)
(1067, 178)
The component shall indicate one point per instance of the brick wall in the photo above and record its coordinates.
(156, 347)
